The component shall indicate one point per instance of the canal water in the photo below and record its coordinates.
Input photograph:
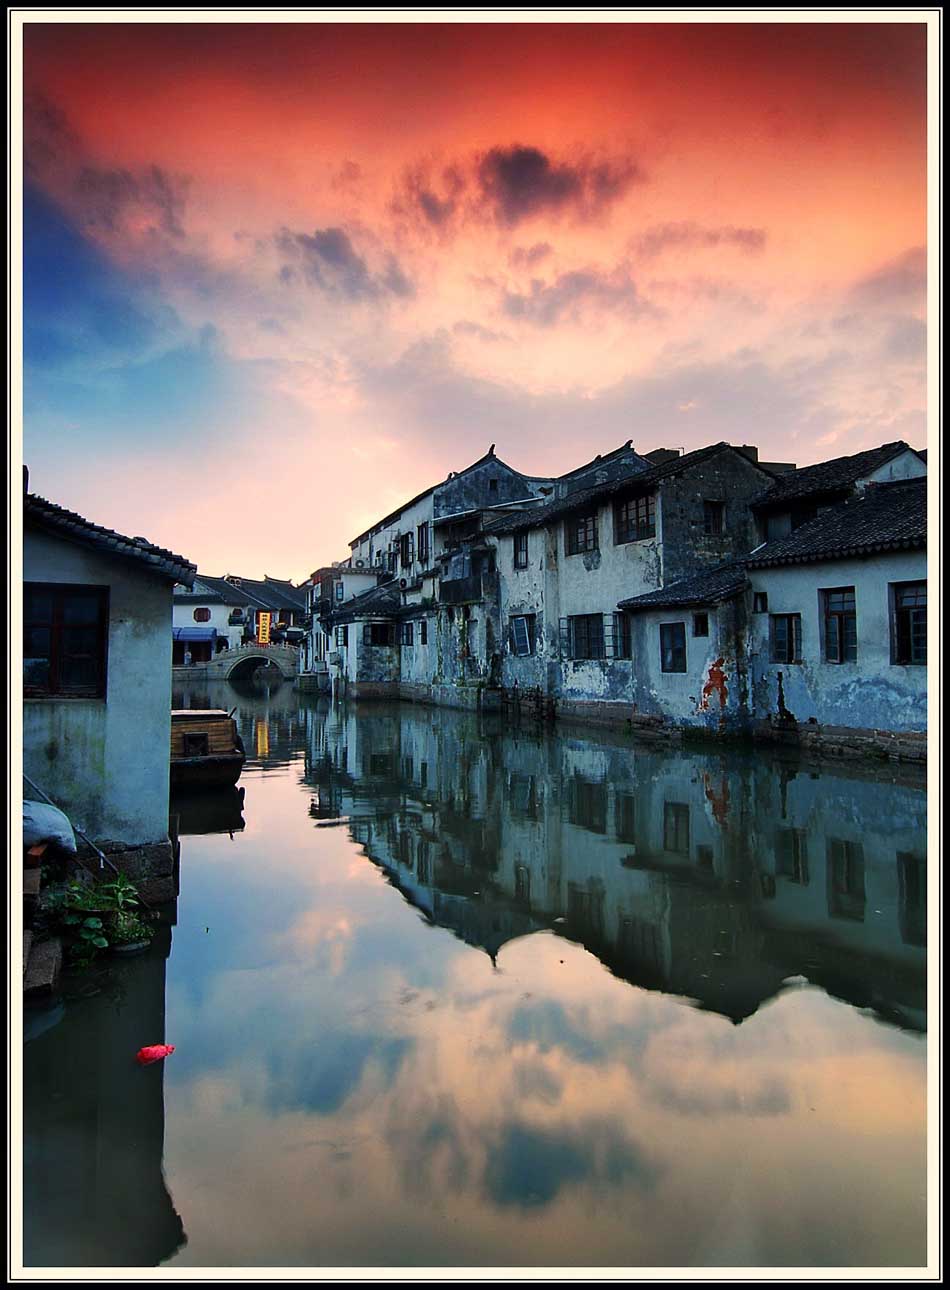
(449, 993)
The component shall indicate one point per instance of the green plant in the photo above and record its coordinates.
(120, 893)
(129, 929)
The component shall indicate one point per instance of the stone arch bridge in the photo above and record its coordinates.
(232, 664)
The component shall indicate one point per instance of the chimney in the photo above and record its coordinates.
(749, 451)
(660, 456)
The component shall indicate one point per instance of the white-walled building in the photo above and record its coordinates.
(97, 683)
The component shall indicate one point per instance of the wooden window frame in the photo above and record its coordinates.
(665, 629)
(790, 650)
(55, 688)
(835, 621)
(635, 519)
(907, 621)
(580, 637)
(580, 534)
(520, 550)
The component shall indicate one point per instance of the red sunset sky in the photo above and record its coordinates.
(279, 278)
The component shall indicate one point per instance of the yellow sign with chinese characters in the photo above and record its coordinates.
(263, 628)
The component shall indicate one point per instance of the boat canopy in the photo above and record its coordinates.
(194, 633)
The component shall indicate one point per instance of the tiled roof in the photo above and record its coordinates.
(707, 587)
(378, 602)
(829, 476)
(229, 594)
(885, 517)
(38, 513)
(538, 516)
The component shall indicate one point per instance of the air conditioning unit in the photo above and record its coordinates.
(358, 563)
(404, 582)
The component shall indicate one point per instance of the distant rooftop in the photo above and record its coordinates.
(885, 517)
(830, 476)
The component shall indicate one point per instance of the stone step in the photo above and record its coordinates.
(42, 970)
(31, 883)
(27, 943)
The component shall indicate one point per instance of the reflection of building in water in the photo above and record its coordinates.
(271, 722)
(94, 1190)
(219, 810)
(715, 878)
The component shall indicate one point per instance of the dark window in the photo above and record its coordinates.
(405, 551)
(522, 796)
(405, 634)
(493, 485)
(424, 632)
(422, 860)
(673, 647)
(791, 856)
(700, 624)
(704, 856)
(676, 828)
(760, 602)
(713, 513)
(912, 897)
(841, 625)
(339, 591)
(846, 898)
(586, 636)
(521, 550)
(626, 818)
(341, 635)
(65, 637)
(423, 535)
(522, 884)
(202, 615)
(635, 519)
(195, 744)
(580, 534)
(785, 638)
(587, 804)
(909, 631)
(522, 635)
(377, 633)
(622, 644)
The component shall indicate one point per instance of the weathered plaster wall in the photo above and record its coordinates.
(713, 693)
(907, 466)
(871, 693)
(728, 478)
(106, 761)
(472, 488)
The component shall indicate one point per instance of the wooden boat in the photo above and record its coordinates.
(206, 748)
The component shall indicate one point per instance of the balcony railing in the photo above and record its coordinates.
(457, 591)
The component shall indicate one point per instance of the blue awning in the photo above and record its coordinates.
(194, 633)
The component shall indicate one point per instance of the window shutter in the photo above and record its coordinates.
(564, 637)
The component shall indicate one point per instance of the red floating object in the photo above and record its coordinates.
(153, 1053)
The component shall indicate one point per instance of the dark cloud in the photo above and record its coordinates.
(687, 235)
(107, 197)
(520, 182)
(544, 305)
(47, 136)
(327, 259)
(508, 185)
(526, 257)
(435, 196)
(528, 1167)
(902, 281)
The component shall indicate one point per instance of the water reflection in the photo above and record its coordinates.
(465, 995)
(715, 878)
(94, 1188)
